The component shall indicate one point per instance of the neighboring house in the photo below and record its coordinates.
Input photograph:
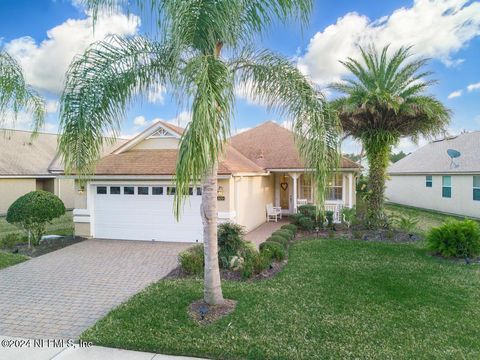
(443, 175)
(28, 164)
(131, 194)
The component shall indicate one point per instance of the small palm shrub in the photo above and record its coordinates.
(329, 218)
(308, 210)
(278, 239)
(230, 242)
(33, 211)
(305, 223)
(291, 227)
(455, 239)
(349, 216)
(275, 250)
(406, 223)
(287, 234)
(192, 260)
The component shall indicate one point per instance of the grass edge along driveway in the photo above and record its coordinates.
(335, 299)
(8, 259)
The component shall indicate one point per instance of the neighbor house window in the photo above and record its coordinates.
(157, 190)
(142, 190)
(171, 190)
(476, 187)
(128, 190)
(334, 188)
(306, 187)
(101, 190)
(446, 186)
(428, 181)
(199, 191)
(114, 190)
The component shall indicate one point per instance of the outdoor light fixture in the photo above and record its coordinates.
(81, 190)
(220, 191)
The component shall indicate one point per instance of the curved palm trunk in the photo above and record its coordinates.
(378, 155)
(212, 284)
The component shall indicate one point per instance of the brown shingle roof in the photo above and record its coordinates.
(271, 146)
(162, 162)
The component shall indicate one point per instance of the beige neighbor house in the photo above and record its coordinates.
(131, 194)
(443, 175)
(28, 164)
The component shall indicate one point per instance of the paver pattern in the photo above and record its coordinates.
(60, 294)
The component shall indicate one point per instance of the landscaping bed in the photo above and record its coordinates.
(335, 299)
(44, 247)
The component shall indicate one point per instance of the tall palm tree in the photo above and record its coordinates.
(16, 95)
(384, 101)
(201, 52)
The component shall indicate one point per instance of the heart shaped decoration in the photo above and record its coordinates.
(284, 186)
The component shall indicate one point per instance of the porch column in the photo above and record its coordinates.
(351, 190)
(295, 177)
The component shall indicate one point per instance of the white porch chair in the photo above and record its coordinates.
(273, 212)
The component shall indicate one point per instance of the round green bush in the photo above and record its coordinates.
(291, 227)
(192, 260)
(294, 218)
(256, 264)
(455, 239)
(273, 249)
(308, 210)
(34, 210)
(287, 234)
(305, 223)
(279, 239)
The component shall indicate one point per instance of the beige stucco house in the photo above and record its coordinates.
(28, 164)
(131, 195)
(443, 175)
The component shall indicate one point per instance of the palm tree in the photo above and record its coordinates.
(384, 101)
(16, 95)
(201, 53)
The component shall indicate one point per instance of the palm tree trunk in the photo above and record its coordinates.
(378, 155)
(212, 284)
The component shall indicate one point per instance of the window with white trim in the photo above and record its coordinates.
(335, 188)
(306, 187)
(446, 186)
(428, 181)
(476, 187)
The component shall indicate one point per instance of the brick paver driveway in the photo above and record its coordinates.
(60, 294)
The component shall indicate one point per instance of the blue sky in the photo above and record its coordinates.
(45, 35)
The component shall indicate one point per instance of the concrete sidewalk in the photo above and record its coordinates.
(74, 353)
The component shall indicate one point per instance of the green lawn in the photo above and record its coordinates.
(7, 259)
(61, 226)
(427, 218)
(335, 299)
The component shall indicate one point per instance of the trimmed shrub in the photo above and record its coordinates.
(308, 210)
(455, 239)
(287, 234)
(295, 218)
(192, 260)
(10, 240)
(291, 227)
(256, 264)
(278, 239)
(34, 210)
(305, 223)
(275, 250)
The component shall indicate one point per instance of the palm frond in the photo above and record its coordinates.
(16, 95)
(276, 82)
(99, 87)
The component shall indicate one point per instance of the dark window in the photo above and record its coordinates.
(157, 190)
(446, 186)
(428, 181)
(142, 190)
(171, 190)
(101, 190)
(114, 190)
(190, 191)
(476, 188)
(199, 191)
(128, 190)
(476, 194)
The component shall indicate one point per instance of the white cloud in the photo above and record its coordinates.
(45, 63)
(436, 28)
(473, 87)
(455, 94)
(139, 121)
(52, 106)
(156, 95)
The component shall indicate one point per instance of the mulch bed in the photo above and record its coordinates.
(45, 246)
(205, 314)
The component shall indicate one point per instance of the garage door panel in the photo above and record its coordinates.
(146, 217)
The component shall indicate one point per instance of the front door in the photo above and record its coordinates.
(285, 192)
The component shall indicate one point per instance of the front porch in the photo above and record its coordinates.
(295, 188)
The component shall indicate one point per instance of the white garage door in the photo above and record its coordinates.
(145, 212)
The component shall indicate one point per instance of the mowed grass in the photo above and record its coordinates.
(335, 299)
(7, 259)
(61, 226)
(427, 218)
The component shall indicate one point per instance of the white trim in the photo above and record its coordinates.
(27, 176)
(240, 174)
(133, 177)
